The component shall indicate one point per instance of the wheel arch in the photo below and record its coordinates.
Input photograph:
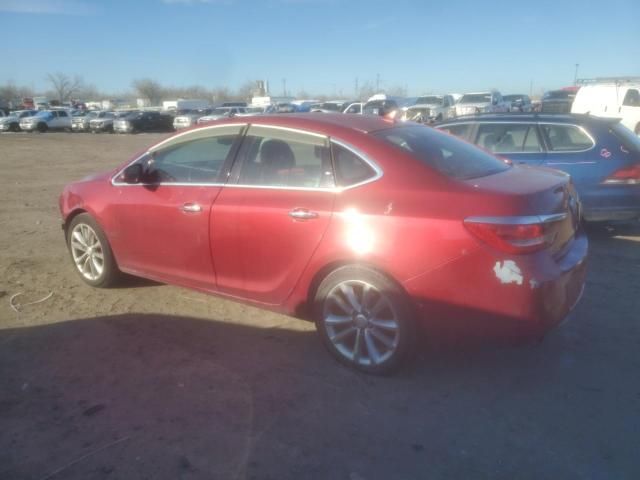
(330, 267)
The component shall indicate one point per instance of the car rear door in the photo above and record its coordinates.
(517, 141)
(272, 214)
(161, 225)
(570, 148)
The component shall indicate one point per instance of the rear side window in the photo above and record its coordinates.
(508, 138)
(632, 98)
(461, 130)
(350, 168)
(566, 138)
(273, 157)
(450, 156)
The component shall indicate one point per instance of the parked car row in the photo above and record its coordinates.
(601, 154)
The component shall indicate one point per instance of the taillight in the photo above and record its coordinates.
(516, 235)
(625, 176)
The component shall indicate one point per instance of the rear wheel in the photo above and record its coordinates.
(15, 127)
(42, 127)
(364, 319)
(90, 252)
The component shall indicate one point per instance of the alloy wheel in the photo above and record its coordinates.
(87, 251)
(361, 323)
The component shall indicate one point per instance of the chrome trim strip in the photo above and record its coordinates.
(378, 171)
(518, 220)
(287, 129)
(207, 127)
(535, 122)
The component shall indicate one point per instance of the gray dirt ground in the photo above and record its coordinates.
(156, 382)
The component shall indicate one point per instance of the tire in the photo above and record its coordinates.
(637, 129)
(364, 319)
(14, 127)
(42, 127)
(98, 272)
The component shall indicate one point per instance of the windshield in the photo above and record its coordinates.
(445, 153)
(476, 98)
(220, 111)
(513, 98)
(432, 100)
(559, 95)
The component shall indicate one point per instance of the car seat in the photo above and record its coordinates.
(277, 160)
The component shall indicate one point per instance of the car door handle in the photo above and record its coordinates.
(191, 208)
(302, 214)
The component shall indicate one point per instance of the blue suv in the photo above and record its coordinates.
(601, 155)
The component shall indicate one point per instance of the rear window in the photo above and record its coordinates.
(629, 140)
(450, 156)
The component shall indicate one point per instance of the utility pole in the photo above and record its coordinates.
(356, 89)
(575, 77)
(531, 87)
(377, 82)
(284, 87)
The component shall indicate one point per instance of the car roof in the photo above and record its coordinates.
(326, 123)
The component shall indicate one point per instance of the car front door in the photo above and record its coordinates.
(519, 141)
(161, 224)
(271, 216)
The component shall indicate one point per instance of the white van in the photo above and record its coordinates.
(615, 99)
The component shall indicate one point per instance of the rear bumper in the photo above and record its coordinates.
(487, 296)
(611, 203)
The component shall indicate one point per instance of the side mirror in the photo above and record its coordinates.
(132, 174)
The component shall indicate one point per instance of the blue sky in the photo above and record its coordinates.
(320, 46)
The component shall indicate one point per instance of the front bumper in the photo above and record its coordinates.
(28, 127)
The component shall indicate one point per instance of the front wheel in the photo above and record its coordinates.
(43, 127)
(364, 319)
(637, 129)
(90, 252)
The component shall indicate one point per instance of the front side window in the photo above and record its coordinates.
(446, 154)
(508, 138)
(197, 159)
(566, 138)
(273, 157)
(62, 113)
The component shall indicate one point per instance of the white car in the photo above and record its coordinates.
(435, 107)
(189, 119)
(615, 99)
(355, 107)
(47, 120)
(11, 123)
(221, 112)
(481, 102)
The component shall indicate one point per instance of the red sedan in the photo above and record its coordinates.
(374, 228)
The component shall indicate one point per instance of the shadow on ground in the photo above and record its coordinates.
(153, 396)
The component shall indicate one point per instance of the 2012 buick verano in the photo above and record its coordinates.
(374, 228)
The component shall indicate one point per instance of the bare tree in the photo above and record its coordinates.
(64, 86)
(245, 91)
(220, 94)
(149, 90)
